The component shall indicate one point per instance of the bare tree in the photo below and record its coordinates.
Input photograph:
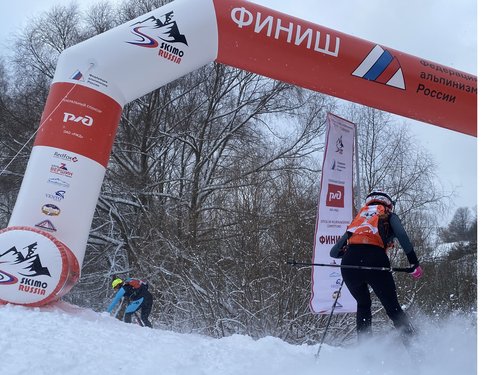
(131, 9)
(461, 227)
(45, 38)
(390, 158)
(99, 18)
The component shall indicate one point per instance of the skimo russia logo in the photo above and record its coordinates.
(161, 33)
(23, 266)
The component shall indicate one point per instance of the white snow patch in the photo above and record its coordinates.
(65, 339)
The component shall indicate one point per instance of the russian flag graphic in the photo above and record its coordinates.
(77, 75)
(380, 66)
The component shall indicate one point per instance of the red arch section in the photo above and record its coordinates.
(279, 46)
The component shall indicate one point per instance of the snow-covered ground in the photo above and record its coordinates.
(64, 339)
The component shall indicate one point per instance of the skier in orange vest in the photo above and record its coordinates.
(365, 243)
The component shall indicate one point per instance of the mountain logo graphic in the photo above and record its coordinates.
(382, 67)
(14, 262)
(152, 29)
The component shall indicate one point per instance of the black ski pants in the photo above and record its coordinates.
(145, 306)
(382, 284)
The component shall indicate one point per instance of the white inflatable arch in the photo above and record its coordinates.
(42, 249)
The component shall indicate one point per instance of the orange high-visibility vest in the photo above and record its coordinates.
(365, 227)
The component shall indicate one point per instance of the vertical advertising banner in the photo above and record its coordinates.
(333, 217)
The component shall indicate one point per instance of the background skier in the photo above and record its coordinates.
(138, 296)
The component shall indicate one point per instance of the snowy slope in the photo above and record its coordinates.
(64, 339)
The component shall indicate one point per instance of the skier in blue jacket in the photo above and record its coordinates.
(138, 295)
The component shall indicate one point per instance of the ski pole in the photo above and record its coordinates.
(138, 319)
(119, 307)
(329, 319)
(389, 269)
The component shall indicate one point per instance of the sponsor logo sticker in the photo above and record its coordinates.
(335, 196)
(56, 196)
(57, 181)
(61, 169)
(51, 210)
(163, 34)
(46, 225)
(65, 156)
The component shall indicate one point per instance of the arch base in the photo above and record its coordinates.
(35, 267)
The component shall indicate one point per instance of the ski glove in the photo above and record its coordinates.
(417, 273)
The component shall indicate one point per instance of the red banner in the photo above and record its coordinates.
(80, 120)
(282, 47)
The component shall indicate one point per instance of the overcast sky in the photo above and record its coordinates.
(442, 31)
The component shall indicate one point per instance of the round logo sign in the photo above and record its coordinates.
(34, 266)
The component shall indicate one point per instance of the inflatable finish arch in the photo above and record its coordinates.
(42, 249)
